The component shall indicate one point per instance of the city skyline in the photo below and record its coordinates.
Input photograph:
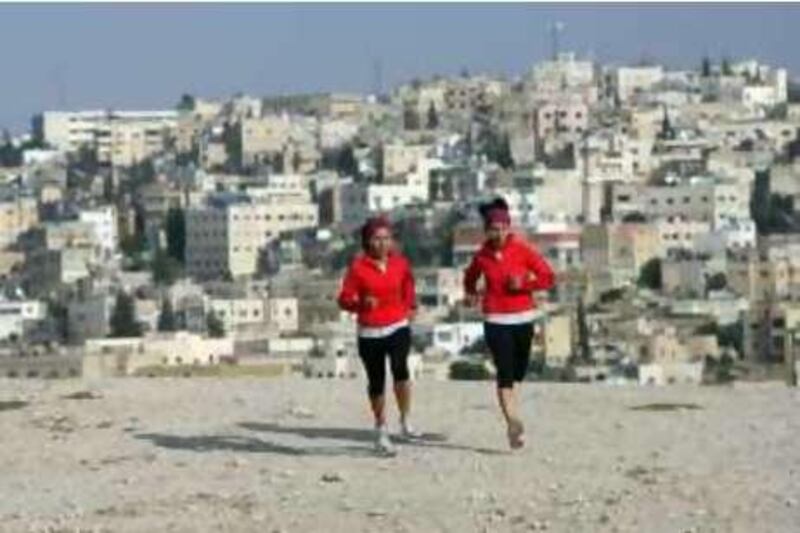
(217, 50)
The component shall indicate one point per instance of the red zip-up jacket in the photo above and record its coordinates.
(394, 290)
(516, 258)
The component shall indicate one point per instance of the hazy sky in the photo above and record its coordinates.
(145, 56)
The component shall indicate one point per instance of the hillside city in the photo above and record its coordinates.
(211, 238)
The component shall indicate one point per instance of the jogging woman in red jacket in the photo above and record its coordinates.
(379, 287)
(511, 270)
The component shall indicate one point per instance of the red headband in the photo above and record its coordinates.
(371, 226)
(498, 215)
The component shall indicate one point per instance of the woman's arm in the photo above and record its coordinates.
(349, 295)
(471, 276)
(541, 276)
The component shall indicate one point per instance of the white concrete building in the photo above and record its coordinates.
(562, 73)
(119, 137)
(14, 315)
(454, 337)
(628, 81)
(671, 374)
(104, 223)
(228, 235)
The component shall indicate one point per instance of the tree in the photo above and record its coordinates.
(123, 321)
(166, 319)
(760, 200)
(134, 244)
(717, 282)
(346, 164)
(215, 326)
(297, 160)
(378, 155)
(583, 333)
(232, 137)
(410, 118)
(650, 274)
(186, 103)
(705, 68)
(166, 269)
(433, 117)
(10, 156)
(176, 234)
(725, 68)
(277, 162)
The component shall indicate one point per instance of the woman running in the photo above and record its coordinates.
(379, 287)
(511, 269)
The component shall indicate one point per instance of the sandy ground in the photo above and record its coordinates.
(286, 455)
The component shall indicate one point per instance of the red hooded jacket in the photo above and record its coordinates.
(516, 258)
(394, 290)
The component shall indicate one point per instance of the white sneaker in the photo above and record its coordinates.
(383, 444)
(407, 431)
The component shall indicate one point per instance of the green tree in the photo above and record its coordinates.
(215, 326)
(725, 68)
(166, 269)
(650, 274)
(410, 118)
(717, 282)
(705, 68)
(123, 321)
(277, 162)
(232, 138)
(297, 160)
(186, 103)
(433, 117)
(583, 333)
(167, 320)
(176, 234)
(346, 163)
(10, 156)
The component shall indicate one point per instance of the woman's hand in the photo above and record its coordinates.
(472, 300)
(370, 303)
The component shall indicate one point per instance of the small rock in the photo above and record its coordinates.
(236, 462)
(790, 502)
(377, 513)
(83, 395)
(332, 477)
(298, 411)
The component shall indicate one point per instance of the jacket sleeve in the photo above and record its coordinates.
(543, 276)
(349, 295)
(409, 288)
(471, 276)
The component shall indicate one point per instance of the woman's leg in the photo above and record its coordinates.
(500, 340)
(523, 338)
(399, 347)
(372, 356)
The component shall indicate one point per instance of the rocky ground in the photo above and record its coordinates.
(294, 455)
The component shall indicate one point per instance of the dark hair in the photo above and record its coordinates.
(371, 226)
(497, 203)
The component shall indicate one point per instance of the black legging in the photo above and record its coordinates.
(510, 345)
(373, 354)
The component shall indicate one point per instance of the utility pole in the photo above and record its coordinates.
(790, 358)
